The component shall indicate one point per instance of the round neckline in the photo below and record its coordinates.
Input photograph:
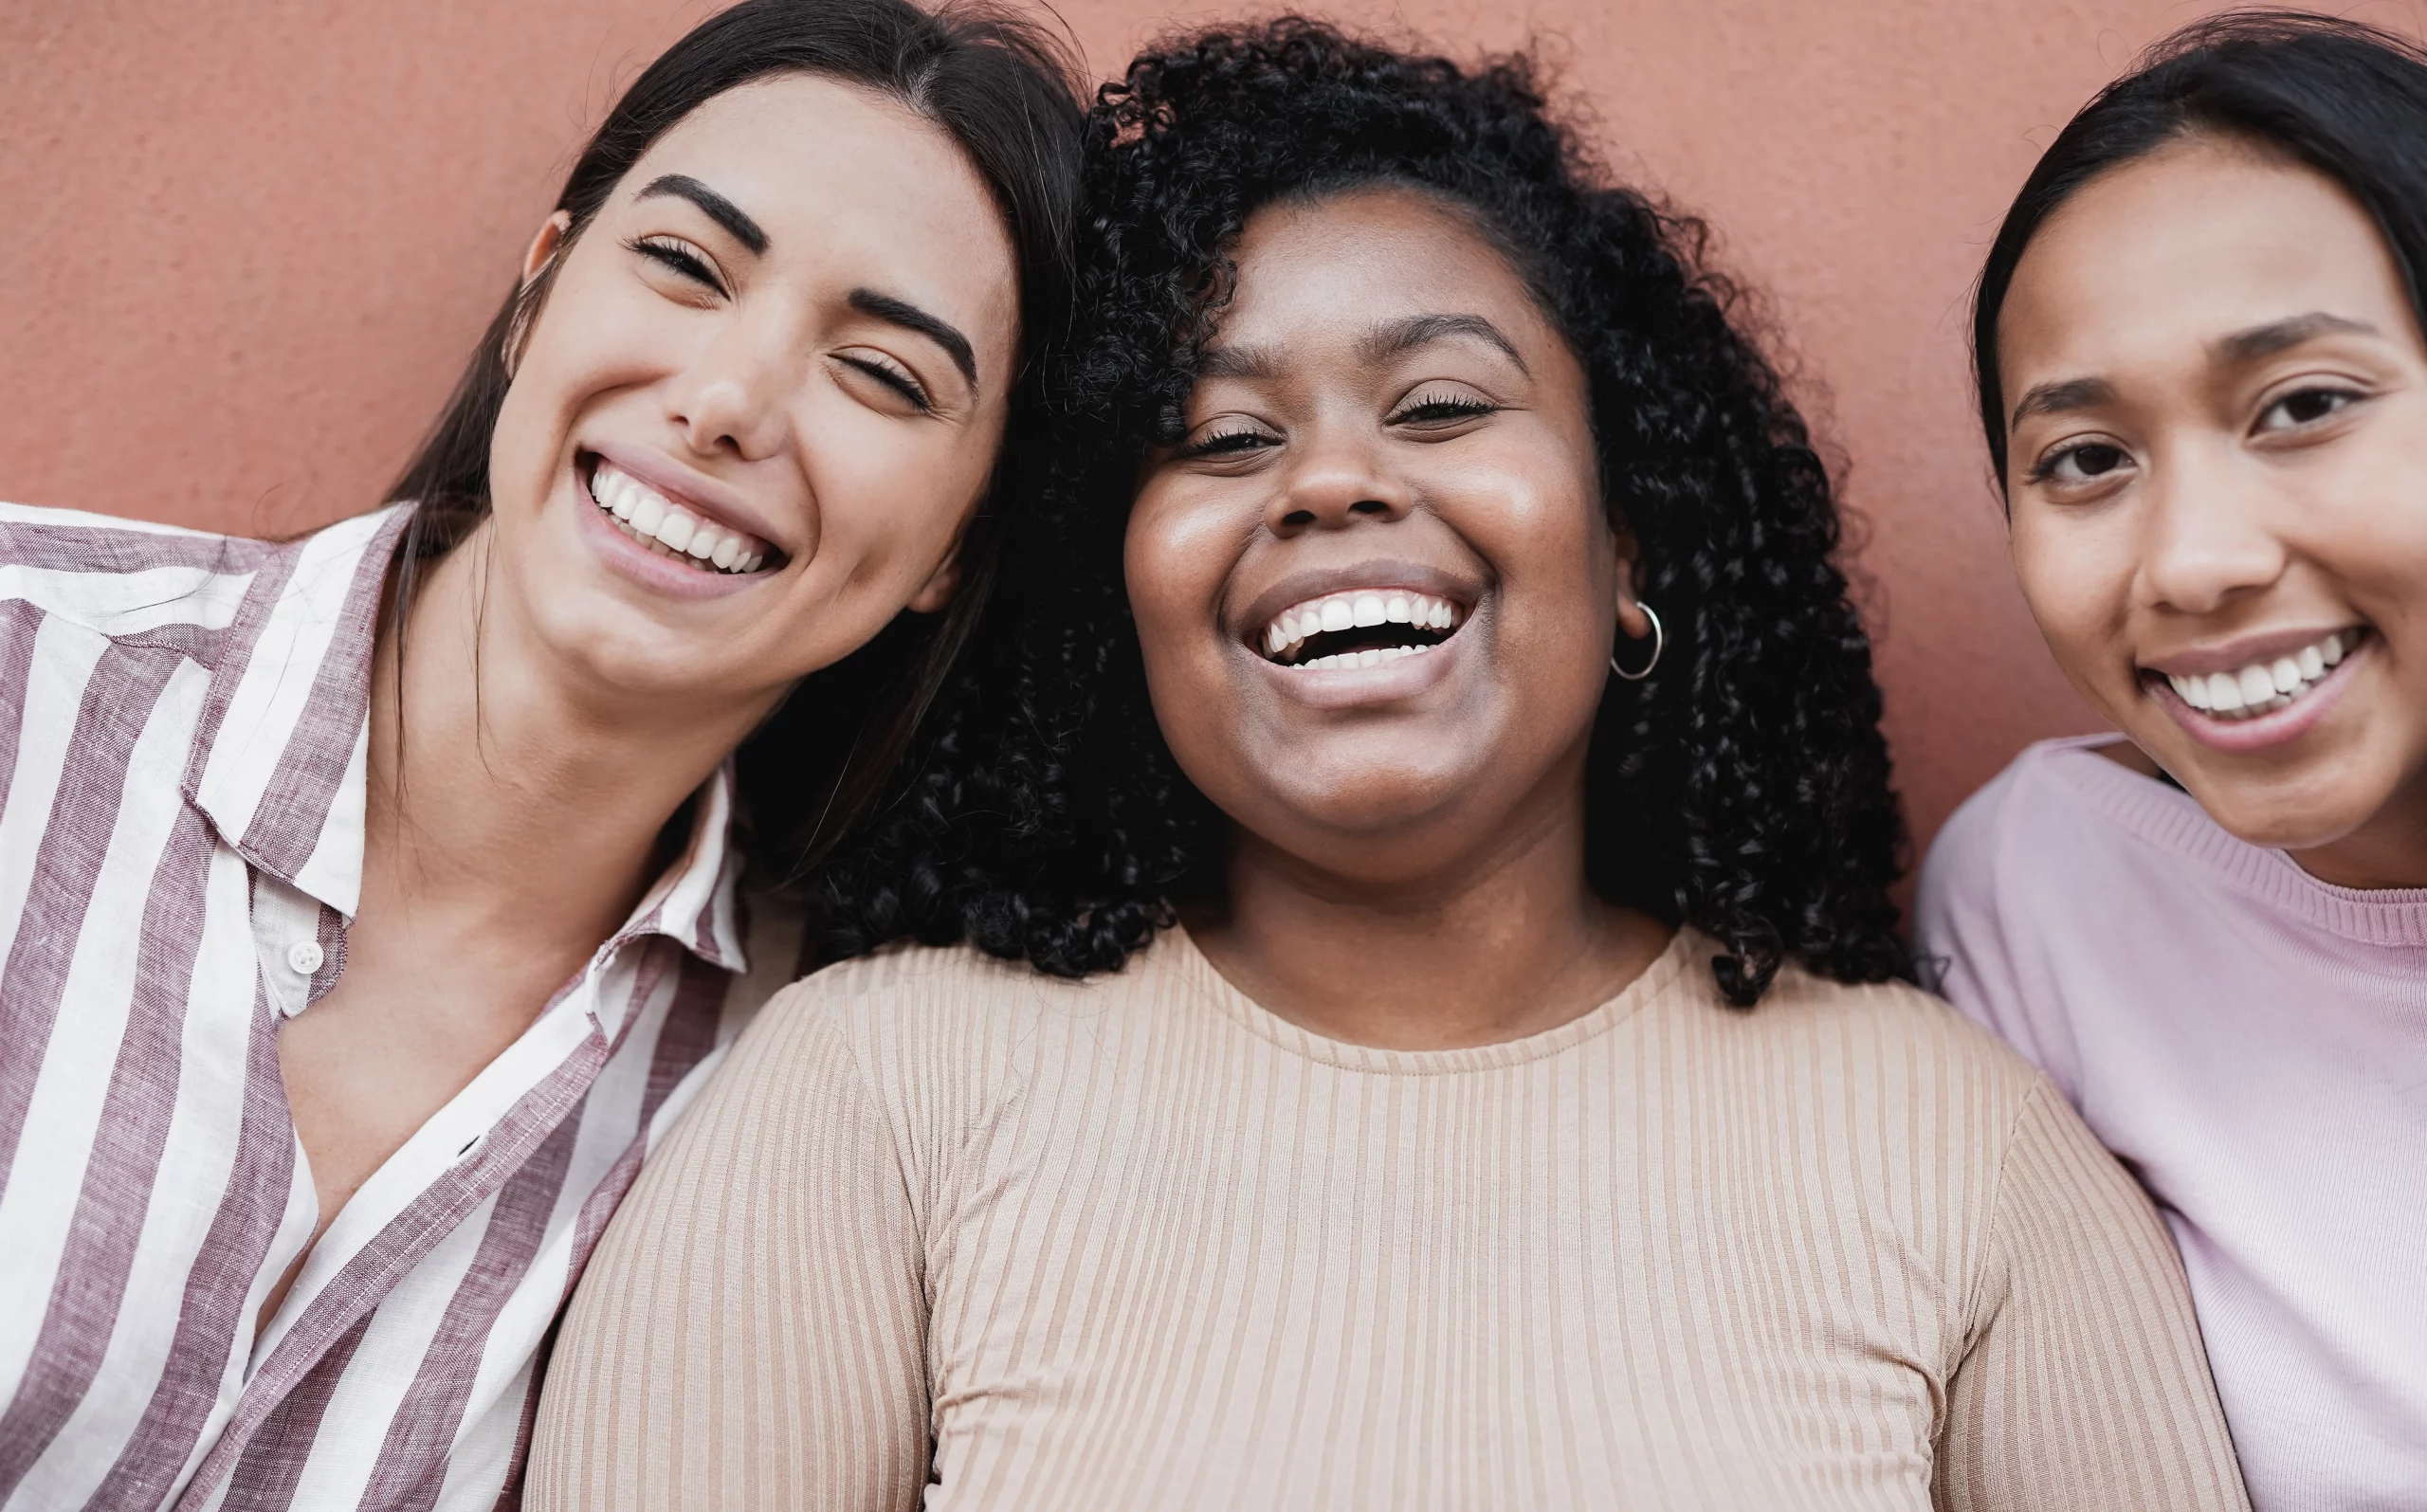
(1686, 949)
(2172, 820)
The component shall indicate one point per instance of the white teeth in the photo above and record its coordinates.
(648, 512)
(648, 518)
(1359, 608)
(2263, 687)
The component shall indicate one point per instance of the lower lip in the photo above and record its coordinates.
(1342, 687)
(660, 575)
(2286, 725)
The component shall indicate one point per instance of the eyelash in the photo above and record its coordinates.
(1443, 409)
(1222, 444)
(900, 382)
(668, 252)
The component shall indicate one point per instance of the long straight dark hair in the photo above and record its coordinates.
(2346, 100)
(1005, 90)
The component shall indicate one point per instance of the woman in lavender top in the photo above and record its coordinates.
(2204, 386)
(370, 903)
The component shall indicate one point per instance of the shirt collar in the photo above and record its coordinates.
(277, 761)
(278, 764)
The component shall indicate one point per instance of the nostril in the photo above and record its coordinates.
(1369, 506)
(1298, 518)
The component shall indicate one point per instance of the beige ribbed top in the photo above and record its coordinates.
(1138, 1244)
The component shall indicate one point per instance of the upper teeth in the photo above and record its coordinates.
(1364, 605)
(2263, 687)
(649, 516)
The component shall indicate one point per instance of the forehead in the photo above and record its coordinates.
(2195, 241)
(1335, 267)
(843, 177)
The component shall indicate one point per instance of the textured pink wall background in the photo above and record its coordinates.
(249, 245)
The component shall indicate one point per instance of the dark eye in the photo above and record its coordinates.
(2085, 463)
(668, 252)
(2307, 406)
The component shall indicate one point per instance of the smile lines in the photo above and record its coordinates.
(2263, 687)
(668, 528)
(1364, 627)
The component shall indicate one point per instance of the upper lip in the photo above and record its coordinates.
(2256, 649)
(1316, 582)
(702, 495)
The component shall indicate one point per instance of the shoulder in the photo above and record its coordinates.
(1880, 1066)
(126, 578)
(1892, 1041)
(919, 1020)
(2042, 785)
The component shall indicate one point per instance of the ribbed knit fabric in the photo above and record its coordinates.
(1138, 1244)
(2253, 1042)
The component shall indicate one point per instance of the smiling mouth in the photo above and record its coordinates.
(2264, 687)
(669, 530)
(1364, 627)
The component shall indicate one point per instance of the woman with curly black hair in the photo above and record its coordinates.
(1444, 714)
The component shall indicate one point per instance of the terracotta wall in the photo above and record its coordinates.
(247, 247)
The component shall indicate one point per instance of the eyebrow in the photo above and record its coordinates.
(2280, 335)
(910, 318)
(1422, 330)
(1378, 346)
(715, 206)
(2059, 399)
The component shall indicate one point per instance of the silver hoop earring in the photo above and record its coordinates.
(1659, 643)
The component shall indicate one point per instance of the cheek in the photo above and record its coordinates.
(1174, 554)
(2076, 577)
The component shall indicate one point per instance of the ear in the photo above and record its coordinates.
(536, 261)
(941, 585)
(1632, 622)
(546, 245)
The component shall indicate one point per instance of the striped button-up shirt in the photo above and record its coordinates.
(183, 723)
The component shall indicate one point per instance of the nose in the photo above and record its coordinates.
(1337, 480)
(2208, 535)
(730, 398)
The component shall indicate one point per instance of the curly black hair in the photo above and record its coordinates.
(1744, 787)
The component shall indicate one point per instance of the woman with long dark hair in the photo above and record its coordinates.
(2204, 389)
(1447, 730)
(371, 902)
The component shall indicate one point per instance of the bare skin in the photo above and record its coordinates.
(567, 689)
(2217, 434)
(1407, 865)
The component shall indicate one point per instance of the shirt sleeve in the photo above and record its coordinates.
(2084, 1384)
(751, 1333)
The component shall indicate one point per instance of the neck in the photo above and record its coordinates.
(502, 788)
(1503, 941)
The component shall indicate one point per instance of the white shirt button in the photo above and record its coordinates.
(304, 956)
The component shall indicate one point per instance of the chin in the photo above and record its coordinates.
(2288, 813)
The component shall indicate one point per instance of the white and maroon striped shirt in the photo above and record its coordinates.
(182, 731)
